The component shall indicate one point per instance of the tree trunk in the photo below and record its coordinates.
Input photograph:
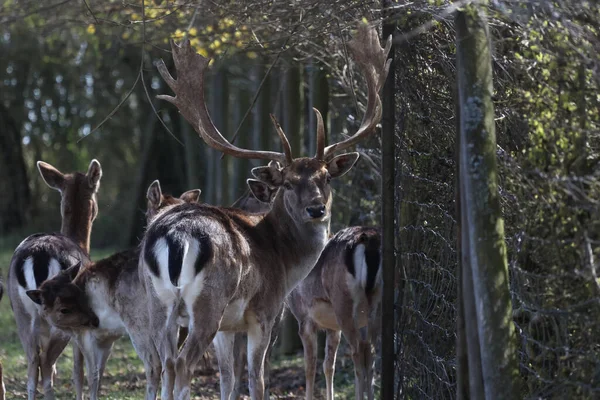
(14, 185)
(318, 97)
(292, 109)
(241, 166)
(220, 109)
(388, 220)
(483, 248)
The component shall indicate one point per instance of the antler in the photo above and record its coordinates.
(189, 99)
(372, 60)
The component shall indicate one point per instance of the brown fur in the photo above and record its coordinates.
(331, 299)
(42, 342)
(243, 286)
(115, 281)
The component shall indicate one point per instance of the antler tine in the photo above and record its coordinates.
(284, 140)
(373, 62)
(189, 99)
(320, 136)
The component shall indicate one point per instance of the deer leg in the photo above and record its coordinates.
(28, 331)
(146, 350)
(96, 356)
(373, 334)
(205, 313)
(53, 349)
(308, 334)
(331, 347)
(239, 363)
(274, 336)
(33, 371)
(78, 375)
(259, 336)
(163, 333)
(224, 345)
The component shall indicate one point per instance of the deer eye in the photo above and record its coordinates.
(65, 311)
(287, 185)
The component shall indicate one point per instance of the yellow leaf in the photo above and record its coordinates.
(193, 31)
(252, 55)
(202, 51)
(91, 29)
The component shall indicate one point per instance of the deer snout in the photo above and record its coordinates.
(316, 211)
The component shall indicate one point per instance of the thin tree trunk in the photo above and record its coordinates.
(318, 97)
(14, 184)
(462, 351)
(220, 109)
(484, 250)
(193, 144)
(136, 221)
(241, 166)
(292, 109)
(388, 221)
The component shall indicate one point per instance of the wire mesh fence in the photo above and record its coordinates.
(549, 194)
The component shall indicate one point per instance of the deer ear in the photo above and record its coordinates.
(53, 177)
(260, 190)
(191, 196)
(154, 194)
(35, 296)
(94, 174)
(338, 166)
(270, 175)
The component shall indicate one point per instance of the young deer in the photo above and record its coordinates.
(111, 290)
(223, 270)
(41, 256)
(342, 295)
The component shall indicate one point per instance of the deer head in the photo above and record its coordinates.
(305, 192)
(78, 204)
(159, 202)
(63, 303)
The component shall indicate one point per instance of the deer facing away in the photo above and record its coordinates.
(223, 270)
(342, 294)
(109, 290)
(41, 256)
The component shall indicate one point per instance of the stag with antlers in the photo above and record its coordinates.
(220, 270)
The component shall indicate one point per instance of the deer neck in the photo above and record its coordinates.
(79, 232)
(300, 243)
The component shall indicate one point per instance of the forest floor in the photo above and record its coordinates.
(124, 376)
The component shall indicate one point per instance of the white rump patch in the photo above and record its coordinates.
(189, 283)
(360, 265)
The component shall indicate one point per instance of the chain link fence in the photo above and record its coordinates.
(550, 214)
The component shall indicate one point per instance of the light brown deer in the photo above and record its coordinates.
(110, 291)
(222, 270)
(342, 294)
(41, 256)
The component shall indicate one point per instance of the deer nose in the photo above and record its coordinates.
(316, 211)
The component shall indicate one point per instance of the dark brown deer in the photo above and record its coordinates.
(110, 291)
(342, 295)
(42, 256)
(222, 270)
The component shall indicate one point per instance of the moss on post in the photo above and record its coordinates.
(483, 226)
